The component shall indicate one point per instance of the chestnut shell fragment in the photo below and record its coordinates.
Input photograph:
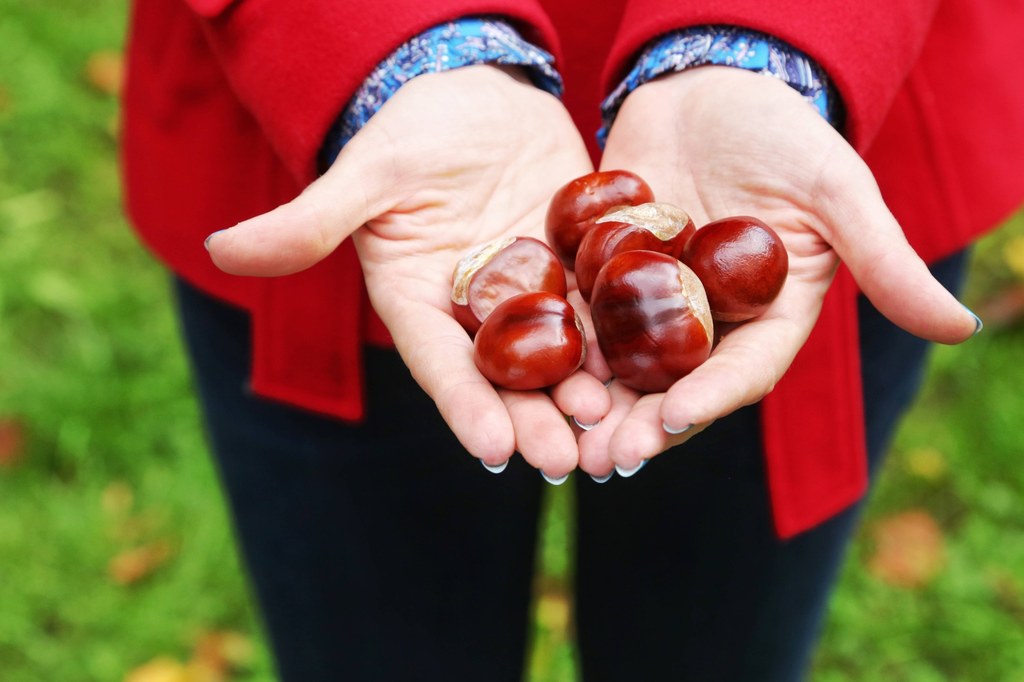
(496, 271)
(645, 227)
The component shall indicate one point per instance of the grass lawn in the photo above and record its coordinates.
(114, 547)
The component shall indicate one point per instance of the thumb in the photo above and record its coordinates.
(887, 269)
(298, 234)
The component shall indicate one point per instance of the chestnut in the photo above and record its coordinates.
(742, 263)
(651, 318)
(576, 206)
(498, 270)
(530, 341)
(647, 227)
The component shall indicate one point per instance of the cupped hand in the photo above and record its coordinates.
(453, 160)
(720, 141)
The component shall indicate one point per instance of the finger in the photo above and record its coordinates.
(582, 397)
(594, 363)
(543, 437)
(642, 436)
(298, 234)
(594, 443)
(889, 272)
(439, 355)
(747, 363)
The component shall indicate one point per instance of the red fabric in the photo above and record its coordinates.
(208, 8)
(228, 101)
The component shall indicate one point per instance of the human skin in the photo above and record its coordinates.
(466, 156)
(721, 141)
(453, 160)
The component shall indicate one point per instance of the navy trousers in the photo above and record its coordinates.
(384, 552)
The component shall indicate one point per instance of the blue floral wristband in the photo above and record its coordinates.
(464, 42)
(726, 46)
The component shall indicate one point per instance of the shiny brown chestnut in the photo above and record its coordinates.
(651, 318)
(498, 270)
(530, 341)
(647, 227)
(742, 263)
(577, 205)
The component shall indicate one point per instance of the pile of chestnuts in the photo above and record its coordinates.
(654, 283)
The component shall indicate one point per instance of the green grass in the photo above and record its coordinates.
(968, 623)
(92, 367)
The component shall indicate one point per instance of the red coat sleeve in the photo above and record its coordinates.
(867, 47)
(295, 65)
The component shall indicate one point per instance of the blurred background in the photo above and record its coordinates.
(116, 560)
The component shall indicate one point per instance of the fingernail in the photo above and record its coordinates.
(555, 481)
(978, 324)
(676, 432)
(626, 473)
(206, 242)
(495, 468)
(603, 479)
(609, 382)
(585, 427)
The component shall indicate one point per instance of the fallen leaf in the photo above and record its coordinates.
(909, 549)
(553, 612)
(223, 651)
(1002, 308)
(926, 463)
(12, 442)
(161, 669)
(104, 71)
(135, 564)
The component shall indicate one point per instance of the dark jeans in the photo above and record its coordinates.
(384, 552)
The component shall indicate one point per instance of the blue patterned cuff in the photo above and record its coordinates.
(726, 46)
(463, 42)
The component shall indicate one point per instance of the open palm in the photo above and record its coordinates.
(717, 142)
(451, 161)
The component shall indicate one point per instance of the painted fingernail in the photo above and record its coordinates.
(978, 324)
(206, 242)
(495, 468)
(626, 473)
(555, 481)
(676, 432)
(603, 479)
(585, 427)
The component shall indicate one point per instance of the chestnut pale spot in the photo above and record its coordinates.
(664, 221)
(499, 270)
(647, 227)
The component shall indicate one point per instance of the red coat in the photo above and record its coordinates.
(213, 134)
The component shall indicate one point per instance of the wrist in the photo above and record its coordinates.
(461, 43)
(734, 47)
(695, 112)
